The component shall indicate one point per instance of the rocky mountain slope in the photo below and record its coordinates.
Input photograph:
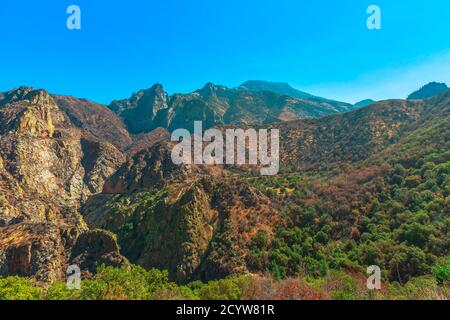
(95, 120)
(282, 88)
(354, 188)
(286, 90)
(175, 217)
(218, 105)
(48, 167)
(350, 137)
(217, 212)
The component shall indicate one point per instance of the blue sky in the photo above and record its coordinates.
(320, 46)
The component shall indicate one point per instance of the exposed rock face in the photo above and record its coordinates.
(195, 221)
(147, 169)
(48, 168)
(95, 248)
(37, 250)
(200, 230)
(30, 116)
(44, 250)
(100, 161)
(141, 109)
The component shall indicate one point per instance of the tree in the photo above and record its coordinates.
(416, 233)
(407, 262)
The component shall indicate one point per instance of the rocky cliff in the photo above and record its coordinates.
(49, 167)
(195, 221)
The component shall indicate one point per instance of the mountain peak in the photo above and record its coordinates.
(210, 89)
(253, 83)
(141, 108)
(157, 87)
(39, 96)
(283, 88)
(429, 90)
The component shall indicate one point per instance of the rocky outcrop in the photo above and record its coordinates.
(32, 116)
(195, 221)
(34, 250)
(141, 109)
(95, 248)
(44, 250)
(64, 175)
(148, 169)
(49, 166)
(100, 161)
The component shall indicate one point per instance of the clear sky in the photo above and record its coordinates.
(319, 46)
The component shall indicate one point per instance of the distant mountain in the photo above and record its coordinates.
(286, 89)
(214, 105)
(364, 103)
(429, 90)
(277, 87)
(140, 110)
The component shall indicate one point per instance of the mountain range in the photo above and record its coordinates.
(86, 184)
(253, 103)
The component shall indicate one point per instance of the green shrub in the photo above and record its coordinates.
(442, 273)
(423, 288)
(17, 288)
(126, 283)
(225, 289)
(174, 292)
(59, 291)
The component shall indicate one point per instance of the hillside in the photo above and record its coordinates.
(95, 120)
(343, 176)
(369, 186)
(364, 103)
(347, 138)
(429, 90)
